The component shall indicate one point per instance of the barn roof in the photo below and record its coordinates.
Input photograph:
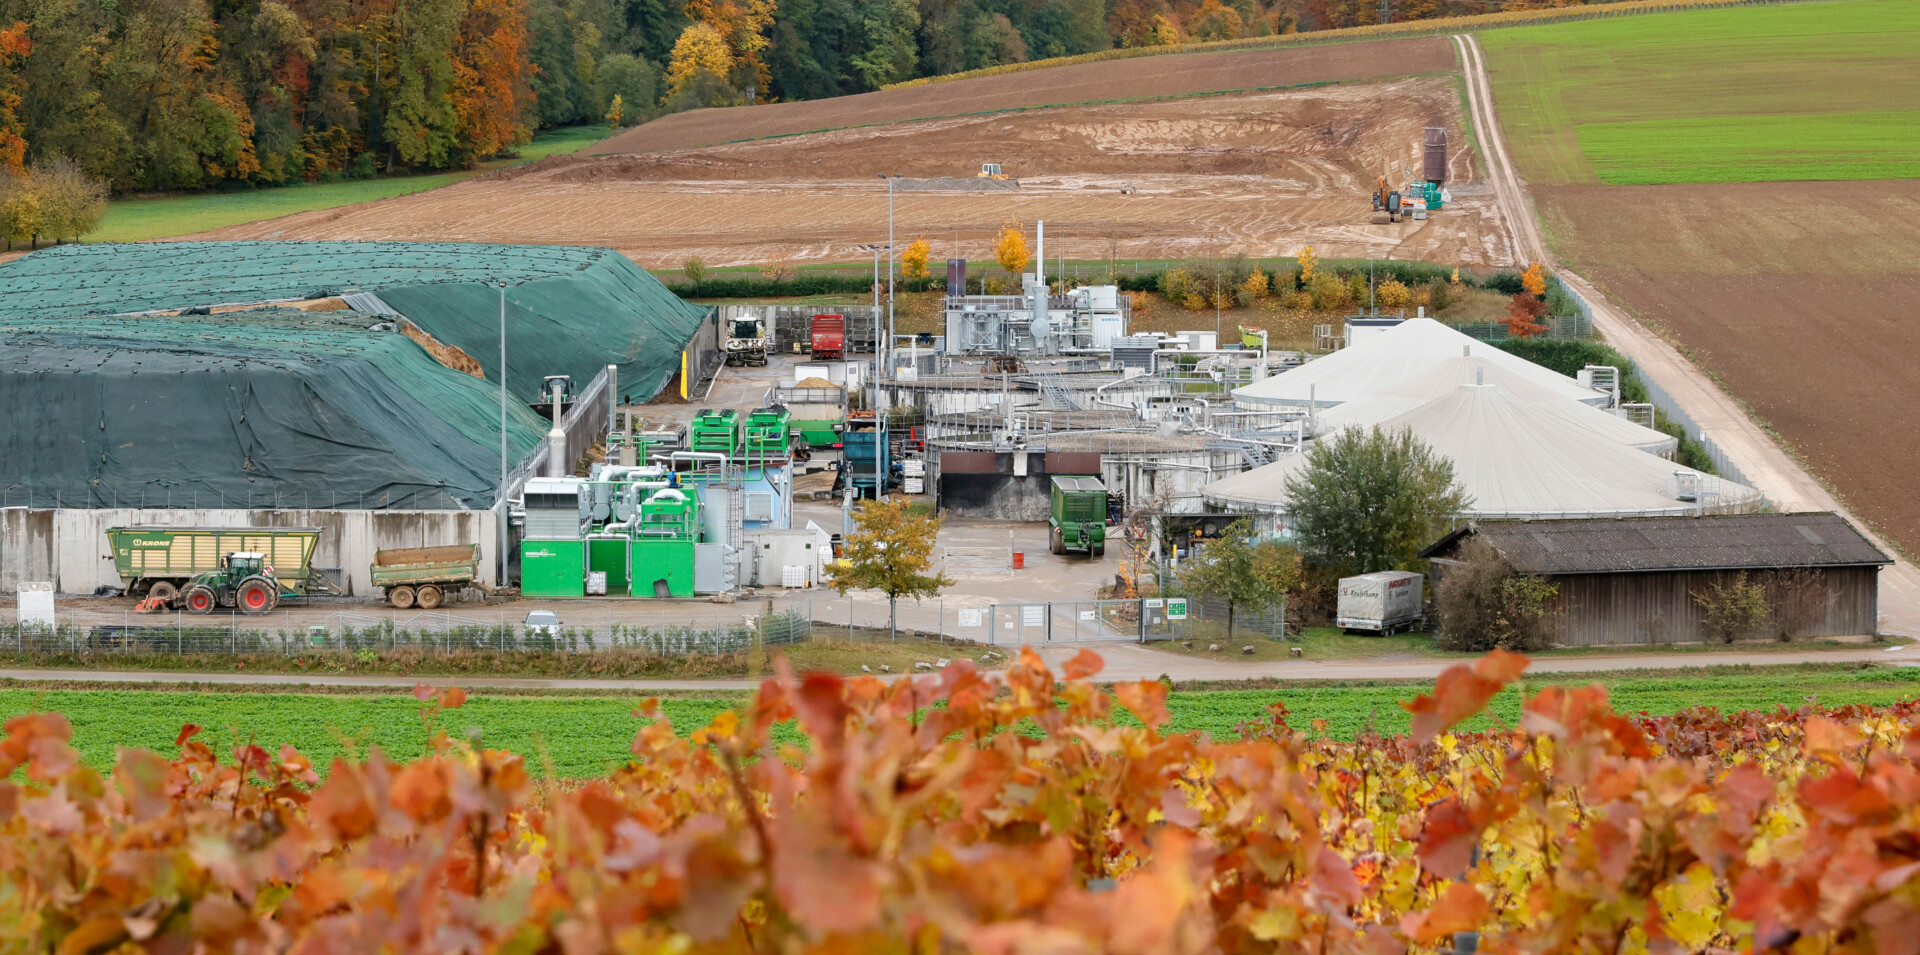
(1726, 542)
(1389, 357)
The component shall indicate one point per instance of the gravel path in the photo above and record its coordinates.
(1123, 662)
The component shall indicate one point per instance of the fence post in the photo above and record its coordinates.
(1140, 615)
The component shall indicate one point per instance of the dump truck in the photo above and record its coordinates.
(1079, 519)
(829, 337)
(1382, 603)
(158, 561)
(424, 576)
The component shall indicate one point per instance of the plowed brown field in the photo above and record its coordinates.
(1174, 75)
(1261, 174)
(1798, 296)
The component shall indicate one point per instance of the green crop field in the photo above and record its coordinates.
(1802, 91)
(583, 735)
(139, 219)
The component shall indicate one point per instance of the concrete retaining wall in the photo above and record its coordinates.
(69, 546)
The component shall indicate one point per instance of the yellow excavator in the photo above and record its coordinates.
(991, 170)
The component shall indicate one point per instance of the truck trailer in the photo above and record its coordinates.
(1079, 518)
(159, 561)
(424, 576)
(1386, 602)
(829, 337)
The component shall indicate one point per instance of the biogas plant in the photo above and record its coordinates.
(421, 422)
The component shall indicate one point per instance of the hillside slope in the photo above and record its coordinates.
(1159, 76)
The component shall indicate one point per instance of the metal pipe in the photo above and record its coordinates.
(501, 581)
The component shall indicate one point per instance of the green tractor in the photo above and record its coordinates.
(1079, 518)
(243, 581)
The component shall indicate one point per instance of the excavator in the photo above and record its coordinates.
(1386, 204)
(990, 170)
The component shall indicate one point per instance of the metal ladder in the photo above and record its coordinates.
(736, 534)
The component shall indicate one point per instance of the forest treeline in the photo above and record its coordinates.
(150, 95)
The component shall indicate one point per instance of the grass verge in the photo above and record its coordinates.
(582, 734)
(1328, 643)
(141, 218)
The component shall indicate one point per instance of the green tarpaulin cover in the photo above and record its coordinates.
(570, 310)
(261, 408)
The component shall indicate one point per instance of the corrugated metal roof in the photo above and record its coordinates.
(1079, 484)
(1727, 542)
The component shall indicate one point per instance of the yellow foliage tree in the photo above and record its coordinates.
(1392, 294)
(1307, 261)
(1534, 280)
(613, 113)
(1164, 33)
(1256, 284)
(1456, 275)
(1010, 250)
(700, 49)
(913, 259)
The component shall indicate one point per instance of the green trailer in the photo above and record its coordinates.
(159, 561)
(818, 414)
(424, 576)
(1079, 519)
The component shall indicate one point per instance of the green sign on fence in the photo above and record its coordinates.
(1176, 608)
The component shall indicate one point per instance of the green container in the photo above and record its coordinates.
(1079, 518)
(553, 568)
(818, 434)
(668, 560)
(610, 556)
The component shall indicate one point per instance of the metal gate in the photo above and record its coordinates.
(1076, 621)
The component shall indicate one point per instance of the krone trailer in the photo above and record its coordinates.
(1384, 602)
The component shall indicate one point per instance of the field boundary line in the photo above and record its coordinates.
(1758, 459)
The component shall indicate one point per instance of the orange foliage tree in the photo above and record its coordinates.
(743, 25)
(1523, 316)
(1534, 279)
(491, 76)
(14, 47)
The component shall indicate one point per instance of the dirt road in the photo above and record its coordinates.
(1787, 486)
(1123, 662)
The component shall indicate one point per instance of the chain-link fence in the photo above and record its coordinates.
(240, 635)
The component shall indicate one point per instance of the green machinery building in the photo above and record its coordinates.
(639, 531)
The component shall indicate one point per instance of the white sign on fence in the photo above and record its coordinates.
(1086, 615)
(970, 618)
(1033, 615)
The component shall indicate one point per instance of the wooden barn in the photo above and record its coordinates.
(1632, 580)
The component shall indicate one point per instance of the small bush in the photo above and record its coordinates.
(1484, 603)
(1733, 608)
(1799, 601)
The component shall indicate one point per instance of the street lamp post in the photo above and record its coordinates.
(502, 496)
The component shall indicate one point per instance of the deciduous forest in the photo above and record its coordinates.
(153, 95)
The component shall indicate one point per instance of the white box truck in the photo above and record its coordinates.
(1386, 602)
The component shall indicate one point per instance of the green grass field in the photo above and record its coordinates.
(1801, 91)
(135, 220)
(583, 735)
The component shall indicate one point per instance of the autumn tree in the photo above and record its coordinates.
(913, 259)
(1010, 249)
(1534, 280)
(491, 77)
(1256, 285)
(613, 112)
(697, 74)
(1308, 262)
(14, 47)
(1215, 22)
(1369, 500)
(1392, 293)
(1523, 316)
(70, 202)
(1242, 569)
(891, 550)
(19, 207)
